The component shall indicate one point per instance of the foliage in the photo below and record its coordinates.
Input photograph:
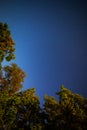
(68, 113)
(13, 77)
(21, 110)
(6, 43)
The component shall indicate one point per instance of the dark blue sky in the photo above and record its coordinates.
(51, 42)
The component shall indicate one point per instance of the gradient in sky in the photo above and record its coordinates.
(51, 42)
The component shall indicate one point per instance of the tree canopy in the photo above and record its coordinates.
(6, 43)
(21, 110)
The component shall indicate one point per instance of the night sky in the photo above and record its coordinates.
(51, 42)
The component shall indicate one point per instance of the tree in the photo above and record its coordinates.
(11, 79)
(28, 109)
(6, 43)
(68, 113)
(21, 110)
(71, 107)
(51, 110)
